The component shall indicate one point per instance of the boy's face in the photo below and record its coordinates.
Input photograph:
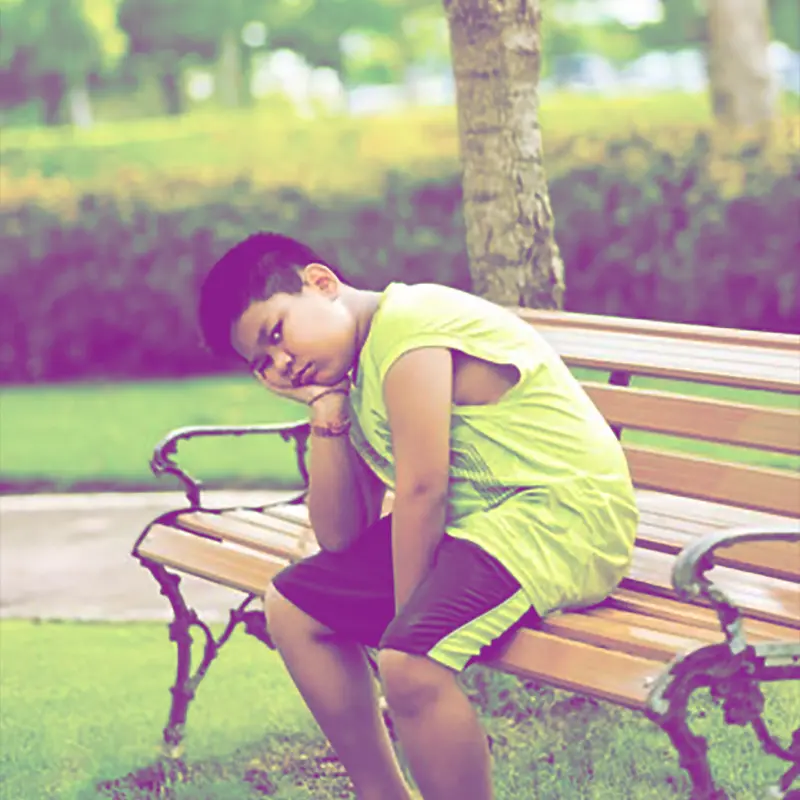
(294, 340)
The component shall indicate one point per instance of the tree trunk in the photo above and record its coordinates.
(171, 91)
(742, 90)
(496, 50)
(53, 88)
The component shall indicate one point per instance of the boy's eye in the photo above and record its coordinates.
(262, 365)
(275, 336)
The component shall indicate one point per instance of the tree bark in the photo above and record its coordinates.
(742, 90)
(496, 51)
(53, 88)
(170, 81)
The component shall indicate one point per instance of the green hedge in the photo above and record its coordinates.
(108, 289)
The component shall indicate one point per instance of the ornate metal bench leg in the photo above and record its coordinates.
(185, 687)
(181, 692)
(734, 681)
(668, 708)
(693, 757)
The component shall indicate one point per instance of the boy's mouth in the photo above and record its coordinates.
(300, 378)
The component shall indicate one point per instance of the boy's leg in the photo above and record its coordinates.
(438, 728)
(467, 604)
(321, 607)
(320, 613)
(337, 683)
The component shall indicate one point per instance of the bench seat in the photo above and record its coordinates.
(636, 630)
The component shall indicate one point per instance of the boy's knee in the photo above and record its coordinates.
(411, 682)
(284, 618)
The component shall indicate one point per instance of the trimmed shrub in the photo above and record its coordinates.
(104, 284)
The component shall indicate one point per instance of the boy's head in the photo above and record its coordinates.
(274, 302)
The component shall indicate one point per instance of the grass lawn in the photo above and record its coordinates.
(101, 435)
(83, 706)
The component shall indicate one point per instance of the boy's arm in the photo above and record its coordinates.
(418, 391)
(336, 502)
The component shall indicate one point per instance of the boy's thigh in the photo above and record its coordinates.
(350, 592)
(466, 604)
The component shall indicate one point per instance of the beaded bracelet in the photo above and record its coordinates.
(330, 431)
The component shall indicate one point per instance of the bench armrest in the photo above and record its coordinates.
(163, 463)
(689, 572)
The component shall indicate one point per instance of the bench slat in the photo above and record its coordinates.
(627, 633)
(652, 327)
(669, 523)
(770, 490)
(621, 678)
(707, 631)
(763, 598)
(269, 519)
(236, 568)
(771, 559)
(646, 605)
(701, 516)
(698, 417)
(261, 538)
(273, 522)
(662, 357)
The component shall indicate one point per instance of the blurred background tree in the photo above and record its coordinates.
(164, 35)
(55, 54)
(53, 50)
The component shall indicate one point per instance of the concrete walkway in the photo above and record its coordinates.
(68, 557)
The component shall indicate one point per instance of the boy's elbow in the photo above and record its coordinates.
(334, 532)
(333, 546)
(433, 492)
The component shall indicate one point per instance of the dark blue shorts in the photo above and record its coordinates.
(465, 608)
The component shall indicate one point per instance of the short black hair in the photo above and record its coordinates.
(253, 270)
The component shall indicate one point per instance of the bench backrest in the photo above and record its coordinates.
(685, 358)
(710, 414)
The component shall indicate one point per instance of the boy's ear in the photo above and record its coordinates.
(320, 278)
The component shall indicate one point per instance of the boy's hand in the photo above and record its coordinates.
(320, 398)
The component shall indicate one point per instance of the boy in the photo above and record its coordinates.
(512, 499)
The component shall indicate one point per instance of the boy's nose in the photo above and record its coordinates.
(283, 363)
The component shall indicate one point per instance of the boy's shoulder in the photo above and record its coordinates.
(413, 295)
(432, 315)
(415, 303)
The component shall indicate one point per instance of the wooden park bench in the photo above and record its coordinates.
(712, 599)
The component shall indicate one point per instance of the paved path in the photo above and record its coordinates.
(68, 557)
